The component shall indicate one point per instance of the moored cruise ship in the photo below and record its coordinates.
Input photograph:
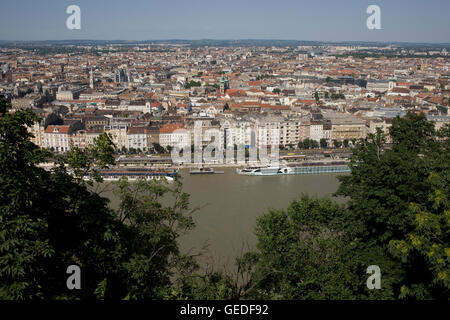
(205, 171)
(315, 167)
(137, 173)
(259, 171)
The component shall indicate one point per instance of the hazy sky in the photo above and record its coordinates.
(327, 20)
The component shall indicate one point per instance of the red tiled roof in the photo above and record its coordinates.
(275, 107)
(137, 130)
(307, 102)
(236, 93)
(400, 90)
(60, 129)
(170, 127)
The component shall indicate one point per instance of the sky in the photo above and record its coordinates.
(318, 20)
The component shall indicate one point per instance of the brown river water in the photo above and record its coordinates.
(230, 204)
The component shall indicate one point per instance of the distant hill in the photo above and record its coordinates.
(218, 43)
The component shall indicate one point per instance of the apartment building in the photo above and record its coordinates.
(346, 127)
(170, 134)
(137, 138)
(57, 138)
(316, 130)
(118, 134)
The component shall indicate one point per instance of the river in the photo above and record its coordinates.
(230, 204)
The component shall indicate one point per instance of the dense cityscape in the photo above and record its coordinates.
(326, 94)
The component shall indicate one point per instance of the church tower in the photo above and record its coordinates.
(91, 79)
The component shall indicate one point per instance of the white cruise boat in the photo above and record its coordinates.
(133, 174)
(259, 171)
(316, 167)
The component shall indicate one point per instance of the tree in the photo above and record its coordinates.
(276, 90)
(150, 249)
(397, 218)
(346, 143)
(323, 143)
(48, 221)
(100, 154)
(336, 96)
(427, 244)
(158, 148)
(192, 83)
(316, 96)
(308, 251)
(306, 143)
(51, 219)
(397, 195)
(337, 143)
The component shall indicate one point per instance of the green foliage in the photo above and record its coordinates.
(400, 197)
(158, 148)
(192, 83)
(151, 231)
(316, 96)
(213, 285)
(337, 96)
(427, 244)
(337, 143)
(85, 162)
(47, 221)
(308, 251)
(308, 144)
(346, 143)
(264, 76)
(50, 220)
(397, 218)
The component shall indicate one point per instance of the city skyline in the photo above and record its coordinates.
(327, 21)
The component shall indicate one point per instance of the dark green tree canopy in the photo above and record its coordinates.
(52, 219)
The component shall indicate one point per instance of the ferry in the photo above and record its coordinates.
(316, 167)
(205, 171)
(137, 173)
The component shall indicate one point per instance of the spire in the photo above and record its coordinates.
(91, 79)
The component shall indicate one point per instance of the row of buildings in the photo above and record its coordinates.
(249, 130)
